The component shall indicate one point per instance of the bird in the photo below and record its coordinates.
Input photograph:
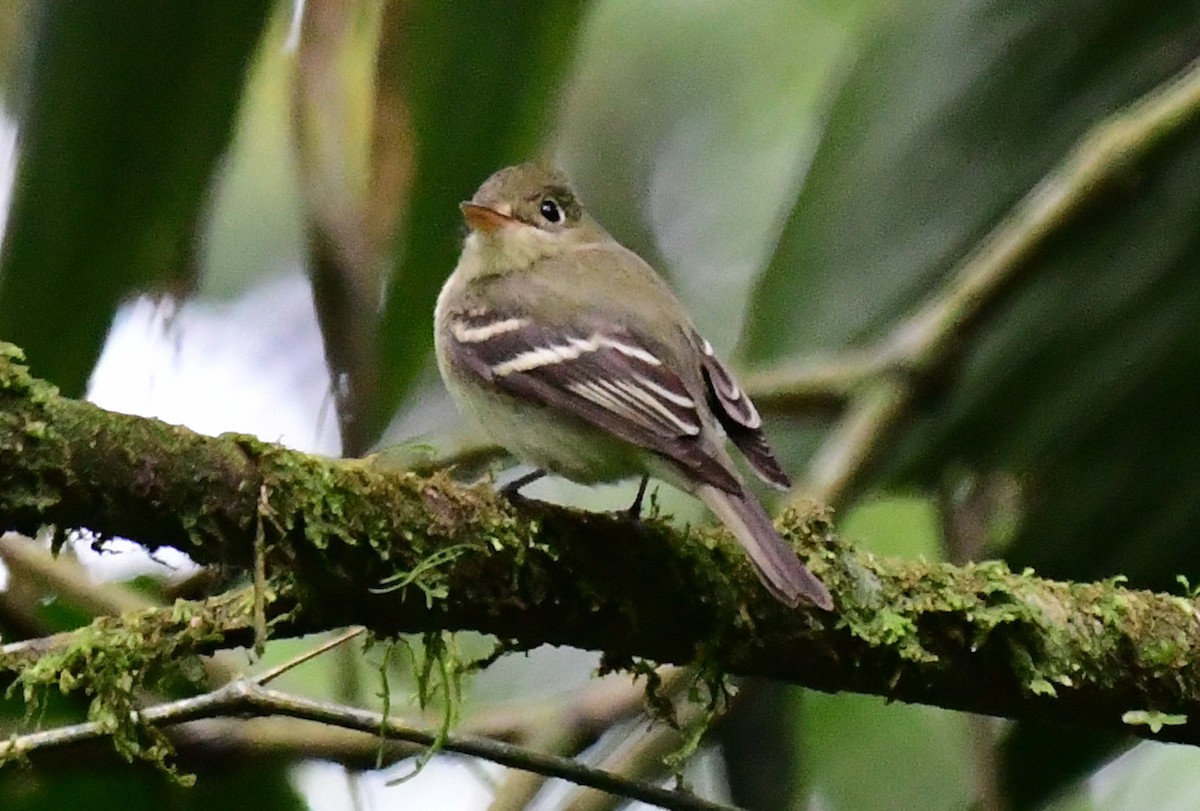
(571, 352)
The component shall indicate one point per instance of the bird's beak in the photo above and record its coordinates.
(484, 219)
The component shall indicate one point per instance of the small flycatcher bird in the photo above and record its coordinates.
(571, 352)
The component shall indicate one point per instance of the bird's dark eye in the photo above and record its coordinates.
(551, 211)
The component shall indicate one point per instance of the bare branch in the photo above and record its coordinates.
(248, 696)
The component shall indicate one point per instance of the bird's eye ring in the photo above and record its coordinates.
(551, 211)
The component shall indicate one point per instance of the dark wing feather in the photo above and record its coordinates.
(603, 375)
(739, 418)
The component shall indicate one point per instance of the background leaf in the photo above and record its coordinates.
(1074, 386)
(478, 83)
(686, 127)
(125, 111)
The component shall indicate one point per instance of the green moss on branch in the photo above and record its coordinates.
(977, 638)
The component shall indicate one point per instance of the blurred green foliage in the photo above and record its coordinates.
(479, 84)
(125, 110)
(856, 151)
(951, 115)
(113, 784)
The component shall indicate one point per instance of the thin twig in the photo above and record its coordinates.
(581, 721)
(519, 786)
(345, 636)
(645, 756)
(585, 714)
(498, 752)
(641, 758)
(247, 696)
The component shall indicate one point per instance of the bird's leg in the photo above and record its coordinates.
(512, 490)
(635, 509)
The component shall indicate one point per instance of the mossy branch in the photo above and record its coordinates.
(976, 638)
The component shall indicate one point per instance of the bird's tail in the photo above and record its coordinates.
(775, 562)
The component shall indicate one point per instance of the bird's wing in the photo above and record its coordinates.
(600, 373)
(739, 417)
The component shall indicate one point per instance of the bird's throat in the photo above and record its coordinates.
(512, 248)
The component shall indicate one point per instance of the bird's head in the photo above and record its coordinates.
(525, 213)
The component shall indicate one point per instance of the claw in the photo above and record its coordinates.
(635, 509)
(512, 490)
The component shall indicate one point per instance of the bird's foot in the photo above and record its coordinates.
(512, 490)
(634, 512)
